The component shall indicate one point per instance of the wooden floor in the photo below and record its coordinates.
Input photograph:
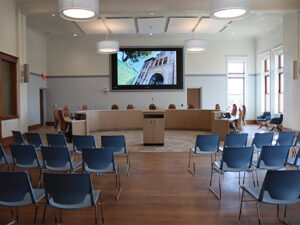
(160, 191)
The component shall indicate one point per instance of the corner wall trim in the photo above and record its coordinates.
(34, 127)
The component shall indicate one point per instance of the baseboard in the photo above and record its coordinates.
(50, 124)
(251, 121)
(34, 127)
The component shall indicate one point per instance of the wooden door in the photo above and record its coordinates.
(42, 107)
(194, 97)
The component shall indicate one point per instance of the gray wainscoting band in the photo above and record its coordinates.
(36, 74)
(80, 76)
(205, 75)
(253, 75)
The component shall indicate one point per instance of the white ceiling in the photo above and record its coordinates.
(162, 17)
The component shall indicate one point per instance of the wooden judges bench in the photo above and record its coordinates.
(176, 119)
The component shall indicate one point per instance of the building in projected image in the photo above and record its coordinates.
(158, 71)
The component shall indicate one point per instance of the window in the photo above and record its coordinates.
(156, 62)
(267, 84)
(165, 60)
(160, 61)
(8, 86)
(236, 83)
(280, 83)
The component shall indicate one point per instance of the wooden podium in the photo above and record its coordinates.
(154, 127)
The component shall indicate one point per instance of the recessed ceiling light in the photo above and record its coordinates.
(151, 33)
(75, 35)
(229, 9)
(78, 10)
(151, 13)
(53, 14)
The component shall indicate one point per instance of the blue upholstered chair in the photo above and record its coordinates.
(99, 160)
(279, 188)
(58, 159)
(205, 145)
(285, 138)
(271, 158)
(262, 139)
(16, 191)
(264, 119)
(276, 122)
(118, 145)
(83, 141)
(71, 192)
(238, 159)
(34, 139)
(56, 140)
(235, 140)
(26, 157)
(4, 159)
(18, 137)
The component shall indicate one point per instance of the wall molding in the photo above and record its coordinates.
(51, 124)
(36, 74)
(205, 75)
(77, 76)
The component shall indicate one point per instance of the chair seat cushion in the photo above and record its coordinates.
(84, 204)
(198, 151)
(217, 164)
(263, 166)
(291, 161)
(109, 169)
(9, 160)
(39, 194)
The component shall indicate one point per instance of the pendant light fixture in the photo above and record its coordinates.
(78, 10)
(107, 47)
(229, 9)
(194, 46)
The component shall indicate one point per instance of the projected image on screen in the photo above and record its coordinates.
(146, 67)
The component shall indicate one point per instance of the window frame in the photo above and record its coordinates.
(267, 93)
(280, 75)
(14, 62)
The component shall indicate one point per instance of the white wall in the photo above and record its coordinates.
(292, 87)
(79, 74)
(13, 42)
(36, 58)
(266, 43)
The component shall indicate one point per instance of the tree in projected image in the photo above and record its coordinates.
(134, 56)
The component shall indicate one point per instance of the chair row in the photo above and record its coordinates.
(58, 159)
(116, 143)
(16, 191)
(210, 144)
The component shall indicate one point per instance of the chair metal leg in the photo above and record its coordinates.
(96, 214)
(244, 177)
(55, 218)
(13, 220)
(128, 164)
(17, 214)
(256, 178)
(241, 206)
(118, 184)
(44, 214)
(35, 214)
(220, 187)
(60, 217)
(192, 171)
(258, 213)
(284, 221)
(253, 178)
(40, 179)
(101, 204)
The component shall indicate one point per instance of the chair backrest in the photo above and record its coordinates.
(191, 106)
(66, 111)
(56, 157)
(62, 124)
(275, 156)
(262, 139)
(237, 158)
(239, 120)
(130, 106)
(2, 155)
(234, 110)
(244, 113)
(34, 139)
(84, 107)
(55, 112)
(82, 141)
(97, 158)
(14, 186)
(265, 114)
(18, 137)
(68, 189)
(217, 107)
(281, 185)
(235, 140)
(57, 140)
(286, 138)
(172, 106)
(207, 142)
(114, 107)
(115, 142)
(24, 155)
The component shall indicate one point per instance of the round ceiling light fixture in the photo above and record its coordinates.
(229, 9)
(107, 46)
(194, 46)
(78, 10)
